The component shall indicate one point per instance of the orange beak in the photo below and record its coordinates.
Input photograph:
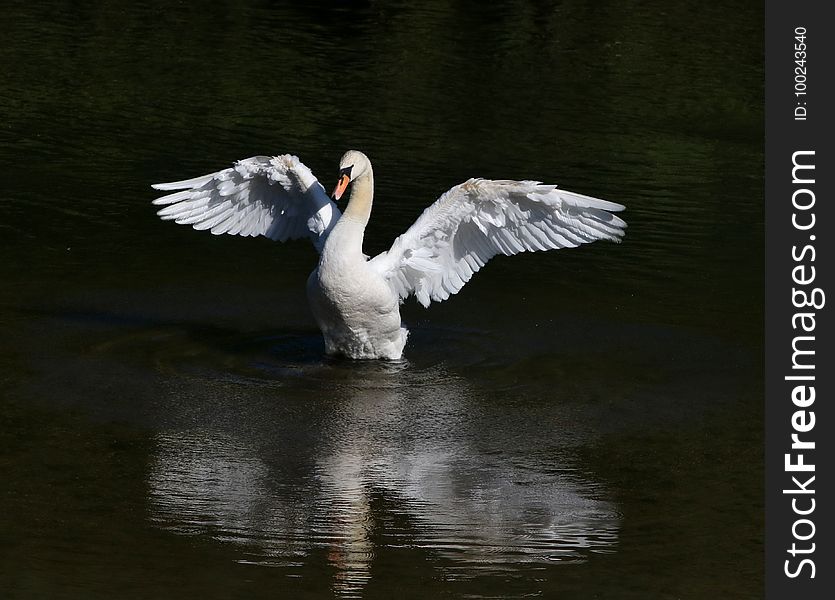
(343, 182)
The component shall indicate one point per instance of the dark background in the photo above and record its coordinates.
(585, 422)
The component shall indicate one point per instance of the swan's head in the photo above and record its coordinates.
(354, 164)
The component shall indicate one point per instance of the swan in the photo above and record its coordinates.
(356, 300)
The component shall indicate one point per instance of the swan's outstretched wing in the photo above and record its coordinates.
(474, 221)
(277, 197)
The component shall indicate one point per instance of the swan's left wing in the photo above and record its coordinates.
(274, 196)
(474, 221)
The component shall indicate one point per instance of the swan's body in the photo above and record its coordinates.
(357, 311)
(356, 301)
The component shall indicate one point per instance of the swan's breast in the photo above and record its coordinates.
(352, 289)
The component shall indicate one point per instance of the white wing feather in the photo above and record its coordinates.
(277, 197)
(474, 221)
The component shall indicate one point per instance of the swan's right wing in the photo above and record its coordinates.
(475, 221)
(277, 197)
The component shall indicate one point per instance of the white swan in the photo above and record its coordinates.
(356, 301)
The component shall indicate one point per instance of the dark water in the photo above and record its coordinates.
(583, 423)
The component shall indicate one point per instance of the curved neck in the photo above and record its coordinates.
(362, 195)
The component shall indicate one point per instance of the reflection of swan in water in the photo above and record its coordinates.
(412, 445)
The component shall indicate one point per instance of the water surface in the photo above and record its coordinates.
(582, 423)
